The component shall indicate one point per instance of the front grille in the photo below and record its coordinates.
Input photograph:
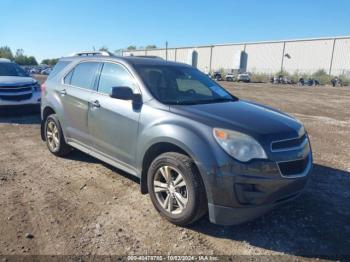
(16, 97)
(15, 89)
(292, 168)
(288, 144)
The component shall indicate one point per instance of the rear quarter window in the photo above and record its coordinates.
(58, 68)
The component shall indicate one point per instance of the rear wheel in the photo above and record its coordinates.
(176, 188)
(54, 137)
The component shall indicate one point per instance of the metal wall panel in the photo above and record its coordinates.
(182, 55)
(264, 57)
(134, 52)
(224, 56)
(303, 56)
(341, 57)
(157, 52)
(203, 58)
(171, 54)
(308, 56)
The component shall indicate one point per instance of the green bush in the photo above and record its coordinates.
(260, 77)
(322, 77)
(345, 79)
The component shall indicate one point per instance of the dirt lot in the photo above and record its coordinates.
(78, 205)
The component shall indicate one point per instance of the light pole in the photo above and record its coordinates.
(166, 50)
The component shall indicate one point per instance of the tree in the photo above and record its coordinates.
(131, 47)
(151, 47)
(118, 52)
(21, 59)
(104, 48)
(32, 60)
(19, 52)
(5, 52)
(50, 62)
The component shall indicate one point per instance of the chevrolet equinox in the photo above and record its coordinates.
(195, 147)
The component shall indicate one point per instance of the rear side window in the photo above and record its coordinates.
(83, 75)
(114, 75)
(58, 68)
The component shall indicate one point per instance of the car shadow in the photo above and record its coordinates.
(317, 224)
(80, 156)
(20, 115)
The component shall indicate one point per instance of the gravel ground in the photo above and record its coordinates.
(79, 206)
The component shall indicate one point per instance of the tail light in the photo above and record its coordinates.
(43, 89)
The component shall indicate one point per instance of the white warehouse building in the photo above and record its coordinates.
(293, 56)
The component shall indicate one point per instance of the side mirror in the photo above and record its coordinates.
(122, 92)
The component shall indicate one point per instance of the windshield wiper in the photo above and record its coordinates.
(209, 101)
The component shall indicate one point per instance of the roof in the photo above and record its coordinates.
(133, 60)
(5, 60)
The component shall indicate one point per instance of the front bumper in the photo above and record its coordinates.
(241, 192)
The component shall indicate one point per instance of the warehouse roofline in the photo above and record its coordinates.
(246, 43)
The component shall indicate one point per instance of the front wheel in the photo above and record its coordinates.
(176, 189)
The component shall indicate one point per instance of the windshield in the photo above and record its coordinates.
(11, 69)
(181, 85)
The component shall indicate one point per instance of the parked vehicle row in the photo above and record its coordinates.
(230, 77)
(40, 71)
(281, 80)
(195, 147)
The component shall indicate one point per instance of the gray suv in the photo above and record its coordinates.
(195, 147)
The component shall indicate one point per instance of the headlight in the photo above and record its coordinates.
(238, 145)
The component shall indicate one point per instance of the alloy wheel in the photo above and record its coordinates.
(52, 136)
(170, 189)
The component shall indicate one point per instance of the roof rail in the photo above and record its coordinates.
(148, 56)
(92, 53)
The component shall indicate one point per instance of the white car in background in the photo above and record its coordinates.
(230, 77)
(244, 77)
(46, 71)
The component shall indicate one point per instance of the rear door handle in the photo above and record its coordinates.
(95, 104)
(63, 92)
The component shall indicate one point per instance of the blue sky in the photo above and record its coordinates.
(49, 28)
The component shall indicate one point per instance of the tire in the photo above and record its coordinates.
(193, 191)
(54, 137)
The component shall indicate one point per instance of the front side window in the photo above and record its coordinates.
(12, 69)
(181, 85)
(114, 75)
(83, 75)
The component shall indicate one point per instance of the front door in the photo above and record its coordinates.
(113, 123)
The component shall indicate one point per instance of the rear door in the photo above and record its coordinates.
(75, 96)
(113, 123)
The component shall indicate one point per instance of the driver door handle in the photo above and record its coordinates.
(63, 92)
(95, 104)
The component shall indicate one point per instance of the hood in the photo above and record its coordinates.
(16, 81)
(260, 122)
